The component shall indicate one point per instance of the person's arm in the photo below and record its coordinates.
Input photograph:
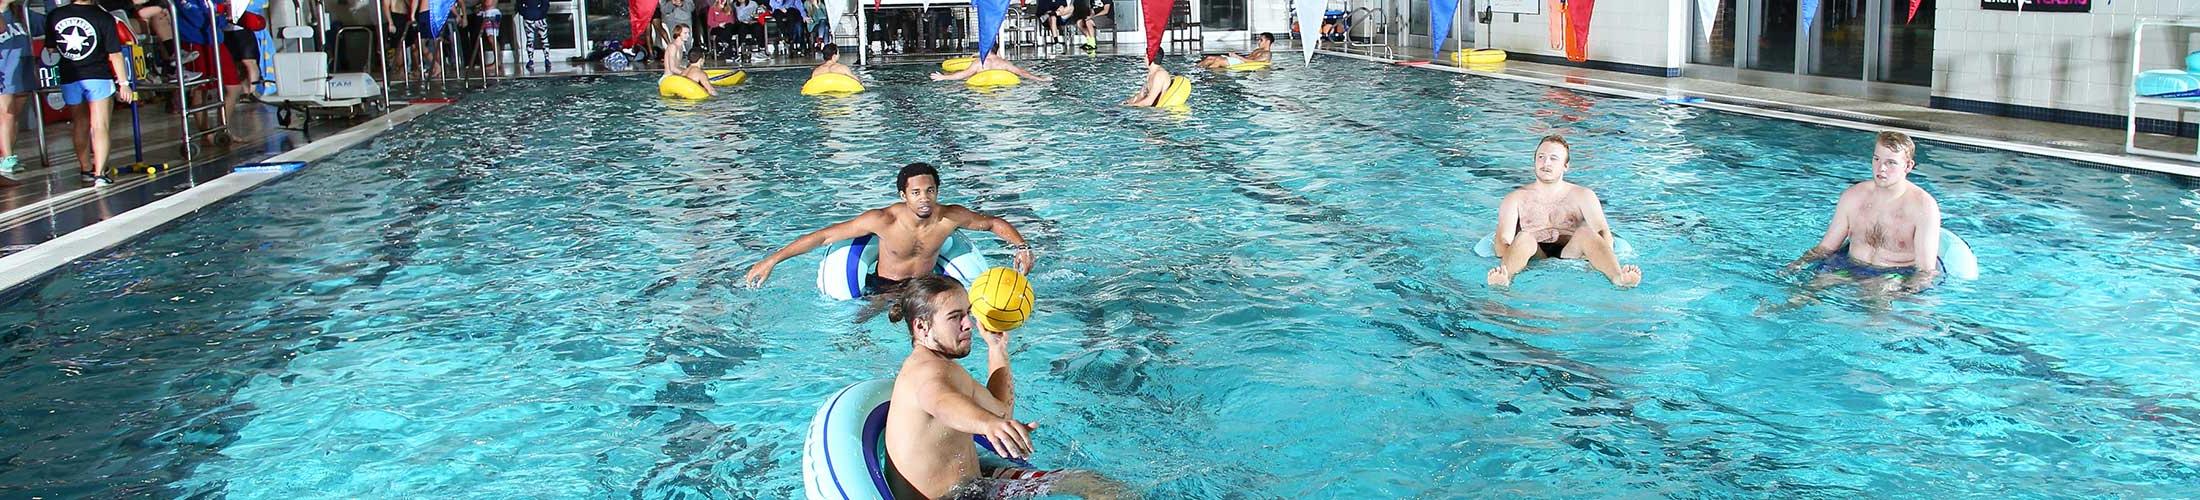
(1019, 70)
(998, 382)
(870, 222)
(1592, 214)
(939, 397)
(1927, 249)
(1508, 221)
(972, 220)
(112, 41)
(965, 73)
(1837, 231)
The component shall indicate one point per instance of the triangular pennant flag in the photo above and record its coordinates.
(991, 13)
(1310, 25)
(1439, 25)
(1156, 13)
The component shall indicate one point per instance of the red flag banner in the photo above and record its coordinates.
(1157, 21)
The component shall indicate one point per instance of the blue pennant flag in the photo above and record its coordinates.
(990, 15)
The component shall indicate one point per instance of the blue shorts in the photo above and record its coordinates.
(1839, 263)
(84, 91)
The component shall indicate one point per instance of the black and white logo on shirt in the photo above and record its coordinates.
(76, 38)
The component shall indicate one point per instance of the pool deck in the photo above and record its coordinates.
(49, 218)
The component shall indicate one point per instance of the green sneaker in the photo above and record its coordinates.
(8, 164)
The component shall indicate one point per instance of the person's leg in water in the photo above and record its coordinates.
(1598, 250)
(1513, 258)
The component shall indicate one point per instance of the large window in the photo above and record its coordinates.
(1773, 36)
(1712, 25)
(1224, 15)
(1906, 45)
(1837, 39)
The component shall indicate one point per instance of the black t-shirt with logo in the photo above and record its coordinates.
(83, 35)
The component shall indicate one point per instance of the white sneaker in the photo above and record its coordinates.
(102, 181)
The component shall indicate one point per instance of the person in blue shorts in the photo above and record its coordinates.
(91, 60)
(16, 77)
(1885, 230)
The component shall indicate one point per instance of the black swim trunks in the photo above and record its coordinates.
(1551, 249)
(873, 284)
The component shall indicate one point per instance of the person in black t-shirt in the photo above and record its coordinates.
(91, 60)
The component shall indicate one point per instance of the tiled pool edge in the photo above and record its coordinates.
(2113, 161)
(28, 265)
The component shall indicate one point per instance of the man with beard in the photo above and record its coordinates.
(910, 233)
(938, 407)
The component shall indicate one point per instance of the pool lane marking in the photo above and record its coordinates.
(28, 265)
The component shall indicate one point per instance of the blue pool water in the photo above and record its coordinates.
(535, 294)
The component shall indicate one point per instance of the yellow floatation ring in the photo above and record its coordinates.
(1180, 90)
(726, 77)
(831, 83)
(681, 87)
(1248, 66)
(1478, 56)
(994, 78)
(957, 64)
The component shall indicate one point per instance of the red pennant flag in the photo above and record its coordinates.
(1157, 20)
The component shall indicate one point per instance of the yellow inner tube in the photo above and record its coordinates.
(831, 83)
(1248, 66)
(1479, 56)
(993, 78)
(680, 87)
(1180, 90)
(726, 77)
(957, 64)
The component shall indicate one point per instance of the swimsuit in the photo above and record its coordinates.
(994, 483)
(1839, 263)
(873, 284)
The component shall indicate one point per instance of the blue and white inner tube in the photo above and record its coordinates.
(846, 263)
(1487, 248)
(844, 457)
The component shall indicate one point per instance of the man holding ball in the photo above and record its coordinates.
(938, 407)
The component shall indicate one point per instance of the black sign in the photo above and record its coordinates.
(2038, 5)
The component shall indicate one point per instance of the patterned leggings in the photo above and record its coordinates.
(538, 40)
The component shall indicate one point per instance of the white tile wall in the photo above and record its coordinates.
(2070, 61)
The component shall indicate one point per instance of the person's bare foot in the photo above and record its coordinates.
(1628, 277)
(1498, 277)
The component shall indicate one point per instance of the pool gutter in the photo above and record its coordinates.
(1821, 116)
(25, 266)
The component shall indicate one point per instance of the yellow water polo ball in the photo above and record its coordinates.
(1001, 299)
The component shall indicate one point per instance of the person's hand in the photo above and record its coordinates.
(124, 94)
(1024, 260)
(937, 77)
(1042, 78)
(993, 339)
(1011, 439)
(758, 273)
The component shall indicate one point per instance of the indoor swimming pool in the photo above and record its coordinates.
(536, 294)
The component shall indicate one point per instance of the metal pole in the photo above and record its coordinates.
(382, 50)
(221, 89)
(38, 98)
(183, 83)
